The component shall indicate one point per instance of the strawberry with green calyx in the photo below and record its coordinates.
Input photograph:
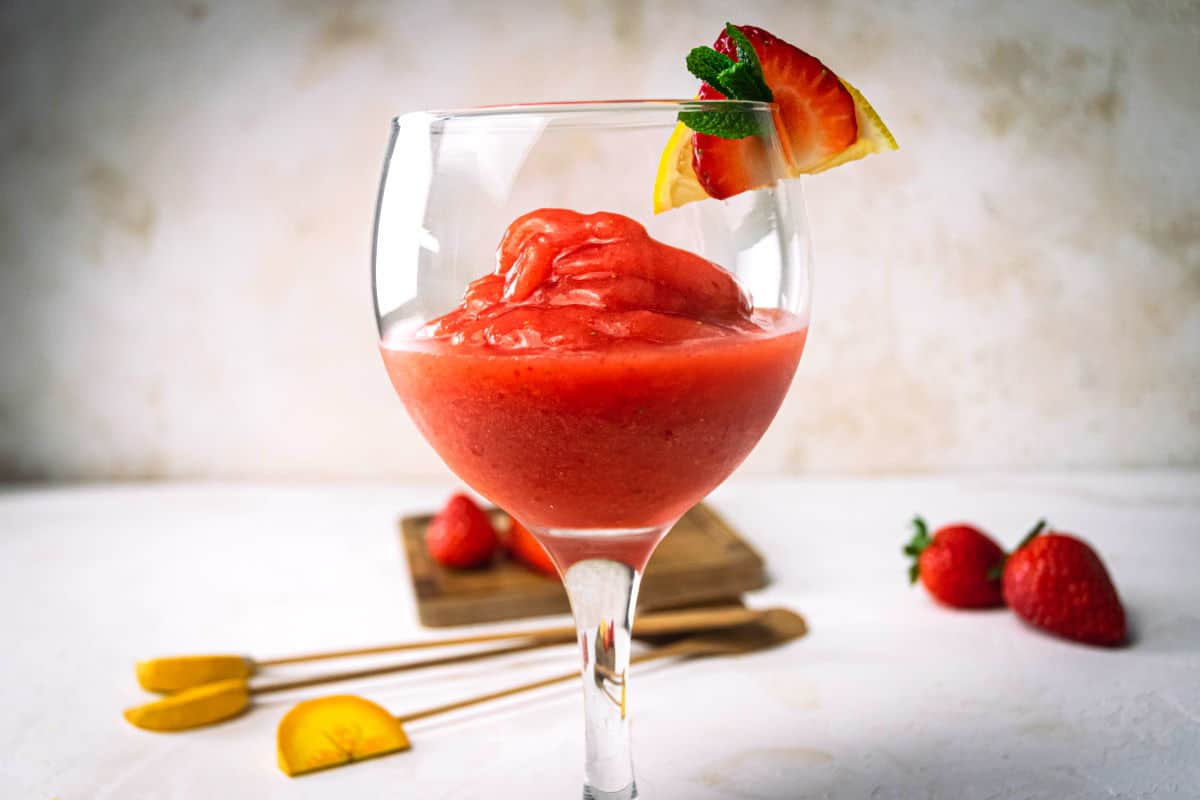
(1057, 582)
(959, 565)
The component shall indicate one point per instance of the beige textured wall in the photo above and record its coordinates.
(186, 193)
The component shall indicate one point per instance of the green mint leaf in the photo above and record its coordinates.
(745, 50)
(707, 65)
(743, 84)
(740, 80)
(724, 124)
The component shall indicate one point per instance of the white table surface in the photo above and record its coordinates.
(888, 697)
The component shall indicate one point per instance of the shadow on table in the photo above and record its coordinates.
(766, 776)
(1154, 631)
(934, 767)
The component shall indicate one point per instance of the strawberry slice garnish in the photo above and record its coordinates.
(816, 117)
(816, 112)
(725, 167)
(820, 120)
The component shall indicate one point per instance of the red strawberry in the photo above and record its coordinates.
(525, 548)
(960, 565)
(816, 118)
(1058, 583)
(461, 535)
(726, 167)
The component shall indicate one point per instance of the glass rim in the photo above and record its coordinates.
(580, 107)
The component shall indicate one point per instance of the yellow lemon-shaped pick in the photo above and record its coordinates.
(191, 708)
(332, 731)
(181, 672)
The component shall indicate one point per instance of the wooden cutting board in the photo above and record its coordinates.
(701, 560)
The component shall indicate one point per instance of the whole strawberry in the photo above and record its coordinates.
(1058, 583)
(461, 535)
(959, 565)
(525, 548)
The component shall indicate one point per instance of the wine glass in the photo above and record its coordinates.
(597, 445)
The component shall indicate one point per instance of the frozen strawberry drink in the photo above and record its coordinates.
(597, 379)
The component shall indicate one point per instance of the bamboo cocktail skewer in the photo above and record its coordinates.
(225, 697)
(175, 673)
(214, 702)
(704, 643)
(304, 732)
(650, 625)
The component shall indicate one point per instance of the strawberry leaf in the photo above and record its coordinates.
(920, 539)
(916, 546)
(1029, 537)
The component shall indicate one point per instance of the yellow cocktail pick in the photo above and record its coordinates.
(334, 731)
(328, 732)
(331, 731)
(179, 672)
(193, 707)
(175, 673)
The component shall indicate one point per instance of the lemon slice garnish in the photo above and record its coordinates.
(676, 182)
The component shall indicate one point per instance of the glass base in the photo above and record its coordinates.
(628, 793)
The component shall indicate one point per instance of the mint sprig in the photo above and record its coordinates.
(737, 80)
(725, 124)
(707, 65)
(741, 83)
(747, 56)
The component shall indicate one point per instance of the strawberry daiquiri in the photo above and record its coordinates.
(597, 379)
(597, 383)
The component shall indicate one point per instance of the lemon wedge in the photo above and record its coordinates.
(873, 136)
(676, 183)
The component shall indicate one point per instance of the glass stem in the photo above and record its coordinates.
(603, 595)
